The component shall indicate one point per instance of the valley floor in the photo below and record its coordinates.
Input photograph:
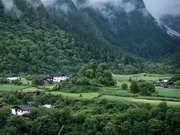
(170, 95)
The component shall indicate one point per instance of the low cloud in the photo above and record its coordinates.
(48, 2)
(100, 4)
(159, 8)
(10, 6)
(106, 7)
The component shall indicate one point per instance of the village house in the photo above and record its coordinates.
(48, 106)
(21, 109)
(2, 105)
(57, 77)
(165, 83)
(11, 77)
(163, 80)
(45, 79)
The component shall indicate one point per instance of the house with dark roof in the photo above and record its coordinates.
(21, 109)
(58, 77)
(163, 80)
(45, 79)
(2, 105)
(11, 77)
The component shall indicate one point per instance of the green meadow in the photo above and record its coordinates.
(143, 76)
(170, 95)
(168, 92)
(76, 95)
(136, 100)
(31, 89)
(8, 88)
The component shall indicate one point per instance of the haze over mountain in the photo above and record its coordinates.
(118, 32)
(166, 12)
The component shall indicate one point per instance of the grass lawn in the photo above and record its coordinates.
(168, 92)
(120, 79)
(31, 89)
(47, 86)
(116, 90)
(25, 81)
(76, 95)
(8, 88)
(158, 98)
(132, 99)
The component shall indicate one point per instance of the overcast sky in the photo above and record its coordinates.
(160, 7)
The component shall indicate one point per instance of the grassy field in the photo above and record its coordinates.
(8, 88)
(31, 89)
(143, 76)
(172, 96)
(132, 99)
(117, 90)
(76, 95)
(25, 81)
(167, 92)
(47, 86)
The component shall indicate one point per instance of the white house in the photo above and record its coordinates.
(163, 80)
(21, 109)
(11, 77)
(48, 106)
(59, 77)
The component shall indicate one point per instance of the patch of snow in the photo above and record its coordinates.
(172, 32)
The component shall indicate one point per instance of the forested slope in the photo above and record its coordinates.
(38, 40)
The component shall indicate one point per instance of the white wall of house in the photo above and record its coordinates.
(165, 80)
(11, 78)
(18, 111)
(59, 79)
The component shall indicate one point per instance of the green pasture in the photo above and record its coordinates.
(8, 88)
(168, 92)
(116, 90)
(76, 95)
(133, 99)
(47, 86)
(31, 89)
(143, 76)
(25, 81)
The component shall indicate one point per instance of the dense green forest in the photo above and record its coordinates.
(87, 117)
(36, 41)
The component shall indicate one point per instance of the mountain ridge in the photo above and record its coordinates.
(49, 42)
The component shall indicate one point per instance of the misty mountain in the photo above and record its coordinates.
(171, 21)
(44, 36)
(123, 23)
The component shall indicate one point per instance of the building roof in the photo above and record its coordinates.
(9, 75)
(44, 77)
(57, 74)
(24, 107)
(2, 104)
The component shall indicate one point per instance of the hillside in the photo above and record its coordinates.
(125, 24)
(41, 38)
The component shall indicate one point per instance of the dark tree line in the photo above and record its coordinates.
(90, 117)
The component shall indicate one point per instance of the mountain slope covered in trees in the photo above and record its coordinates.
(37, 38)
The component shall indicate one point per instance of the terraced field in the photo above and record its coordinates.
(168, 92)
(76, 95)
(31, 89)
(136, 100)
(8, 88)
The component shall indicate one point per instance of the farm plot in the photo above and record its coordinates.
(167, 92)
(8, 88)
(132, 99)
(76, 95)
(31, 89)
